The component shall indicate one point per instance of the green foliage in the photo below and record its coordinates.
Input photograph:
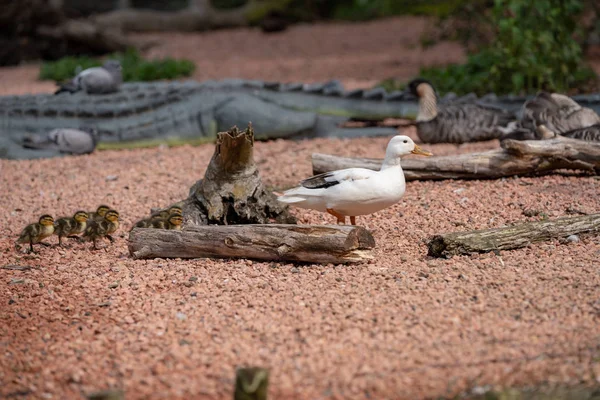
(228, 4)
(135, 68)
(64, 68)
(358, 10)
(350, 10)
(534, 50)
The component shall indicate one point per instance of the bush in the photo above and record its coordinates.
(534, 50)
(358, 10)
(135, 68)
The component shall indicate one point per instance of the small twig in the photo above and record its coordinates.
(15, 267)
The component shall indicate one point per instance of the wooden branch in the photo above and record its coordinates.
(511, 237)
(515, 158)
(277, 242)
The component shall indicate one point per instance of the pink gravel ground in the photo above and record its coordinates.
(400, 326)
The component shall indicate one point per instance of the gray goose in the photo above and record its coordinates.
(551, 114)
(457, 122)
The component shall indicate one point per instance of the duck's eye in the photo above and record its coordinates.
(406, 141)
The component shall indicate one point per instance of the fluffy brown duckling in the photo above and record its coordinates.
(69, 226)
(36, 232)
(165, 214)
(98, 215)
(99, 229)
(162, 216)
(174, 221)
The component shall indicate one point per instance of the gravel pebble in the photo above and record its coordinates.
(573, 238)
(394, 325)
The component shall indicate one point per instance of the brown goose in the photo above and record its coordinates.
(458, 122)
(590, 133)
(551, 114)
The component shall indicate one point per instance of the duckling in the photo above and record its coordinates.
(457, 122)
(98, 215)
(68, 226)
(165, 214)
(143, 223)
(36, 232)
(99, 229)
(174, 221)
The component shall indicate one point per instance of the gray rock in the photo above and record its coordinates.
(573, 238)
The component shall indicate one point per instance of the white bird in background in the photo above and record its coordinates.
(356, 191)
(96, 80)
(65, 140)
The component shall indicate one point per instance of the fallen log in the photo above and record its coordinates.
(200, 16)
(273, 242)
(87, 35)
(511, 237)
(530, 157)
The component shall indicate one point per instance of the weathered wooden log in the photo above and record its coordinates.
(511, 237)
(87, 35)
(251, 384)
(274, 242)
(531, 157)
(201, 15)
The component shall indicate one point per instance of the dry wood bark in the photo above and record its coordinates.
(232, 191)
(511, 237)
(273, 242)
(531, 157)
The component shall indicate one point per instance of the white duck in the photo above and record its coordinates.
(356, 191)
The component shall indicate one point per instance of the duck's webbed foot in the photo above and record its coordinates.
(341, 219)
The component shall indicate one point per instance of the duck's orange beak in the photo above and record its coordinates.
(421, 152)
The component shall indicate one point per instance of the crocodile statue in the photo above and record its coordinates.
(192, 110)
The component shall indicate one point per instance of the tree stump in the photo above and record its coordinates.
(232, 191)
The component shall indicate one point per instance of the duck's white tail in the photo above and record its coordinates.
(296, 195)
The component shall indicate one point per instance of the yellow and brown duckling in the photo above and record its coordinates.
(69, 226)
(166, 213)
(174, 221)
(36, 232)
(99, 229)
(98, 215)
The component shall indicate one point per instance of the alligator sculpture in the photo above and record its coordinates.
(186, 110)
